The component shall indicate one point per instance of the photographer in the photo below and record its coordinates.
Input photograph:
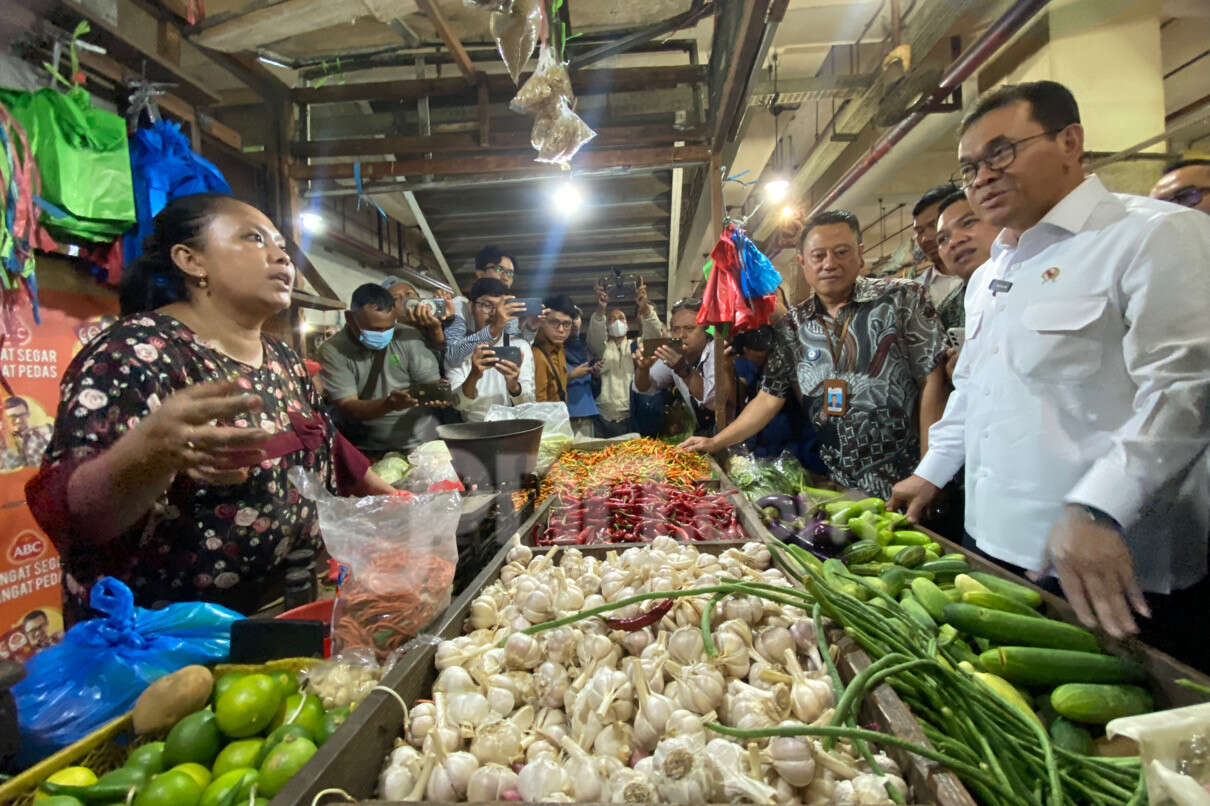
(422, 316)
(550, 363)
(607, 339)
(484, 378)
(367, 368)
(690, 370)
(460, 338)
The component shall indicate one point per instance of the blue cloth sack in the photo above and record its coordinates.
(163, 167)
(757, 276)
(102, 665)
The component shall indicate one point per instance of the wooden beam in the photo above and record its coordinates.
(584, 82)
(273, 23)
(220, 131)
(190, 12)
(461, 57)
(501, 163)
(453, 143)
(724, 371)
(485, 113)
(244, 96)
(739, 67)
(431, 239)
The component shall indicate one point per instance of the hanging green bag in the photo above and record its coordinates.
(83, 156)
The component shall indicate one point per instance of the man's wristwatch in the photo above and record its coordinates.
(1097, 516)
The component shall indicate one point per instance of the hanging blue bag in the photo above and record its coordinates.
(757, 276)
(102, 665)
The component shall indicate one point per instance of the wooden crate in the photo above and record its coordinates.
(370, 731)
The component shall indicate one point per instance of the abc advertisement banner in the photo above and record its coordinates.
(32, 362)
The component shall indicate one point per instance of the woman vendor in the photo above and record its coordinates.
(176, 426)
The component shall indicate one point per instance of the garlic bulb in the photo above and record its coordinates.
(809, 697)
(542, 778)
(570, 599)
(685, 645)
(682, 723)
(540, 749)
(701, 688)
(519, 554)
(615, 741)
(421, 720)
(395, 782)
(454, 679)
(819, 792)
(773, 642)
(483, 613)
(501, 700)
(522, 651)
(759, 555)
(550, 684)
(733, 655)
(537, 606)
(631, 786)
(468, 709)
(560, 643)
(451, 776)
(635, 641)
(685, 777)
(652, 717)
(792, 758)
(497, 742)
(807, 642)
(489, 783)
(746, 608)
(510, 572)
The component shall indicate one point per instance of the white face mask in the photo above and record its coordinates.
(617, 328)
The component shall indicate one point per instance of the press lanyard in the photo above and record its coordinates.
(837, 348)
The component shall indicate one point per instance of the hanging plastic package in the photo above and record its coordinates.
(516, 34)
(102, 665)
(82, 154)
(502, 6)
(164, 167)
(723, 301)
(558, 134)
(758, 278)
(548, 85)
(20, 230)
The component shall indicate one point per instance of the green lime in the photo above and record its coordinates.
(58, 800)
(195, 738)
(277, 735)
(298, 709)
(241, 753)
(149, 758)
(333, 719)
(242, 779)
(225, 682)
(283, 762)
(197, 772)
(287, 682)
(125, 776)
(248, 706)
(172, 788)
(68, 776)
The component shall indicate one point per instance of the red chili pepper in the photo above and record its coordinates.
(642, 620)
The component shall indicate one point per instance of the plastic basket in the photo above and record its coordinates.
(106, 748)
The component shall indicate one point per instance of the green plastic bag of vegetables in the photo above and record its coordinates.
(83, 155)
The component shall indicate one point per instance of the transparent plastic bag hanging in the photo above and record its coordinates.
(558, 134)
(401, 552)
(548, 85)
(516, 34)
(502, 6)
(1174, 749)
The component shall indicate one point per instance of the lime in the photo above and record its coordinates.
(242, 779)
(248, 706)
(241, 753)
(149, 758)
(124, 776)
(306, 710)
(225, 682)
(172, 788)
(69, 776)
(333, 719)
(287, 682)
(197, 772)
(277, 735)
(283, 762)
(58, 800)
(195, 738)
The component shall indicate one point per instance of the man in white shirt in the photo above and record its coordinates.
(460, 340)
(690, 370)
(1083, 386)
(607, 339)
(485, 378)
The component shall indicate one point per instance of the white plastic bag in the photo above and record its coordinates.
(1174, 748)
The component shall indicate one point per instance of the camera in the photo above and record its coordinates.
(437, 306)
(618, 288)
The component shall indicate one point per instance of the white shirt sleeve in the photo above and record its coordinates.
(947, 436)
(708, 376)
(1164, 294)
(526, 377)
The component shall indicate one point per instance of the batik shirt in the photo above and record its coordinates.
(892, 343)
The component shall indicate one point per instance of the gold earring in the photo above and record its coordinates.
(202, 282)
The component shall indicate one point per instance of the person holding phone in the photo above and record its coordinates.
(422, 317)
(607, 329)
(690, 370)
(550, 361)
(460, 338)
(498, 372)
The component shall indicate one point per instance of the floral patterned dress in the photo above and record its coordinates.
(199, 541)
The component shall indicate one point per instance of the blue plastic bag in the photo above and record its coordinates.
(757, 276)
(163, 167)
(101, 666)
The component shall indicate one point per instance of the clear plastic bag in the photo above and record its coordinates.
(516, 34)
(548, 85)
(502, 6)
(557, 434)
(559, 133)
(102, 665)
(431, 470)
(401, 552)
(1174, 748)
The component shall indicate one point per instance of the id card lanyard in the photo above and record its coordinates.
(836, 391)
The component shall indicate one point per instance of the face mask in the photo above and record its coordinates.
(617, 328)
(377, 339)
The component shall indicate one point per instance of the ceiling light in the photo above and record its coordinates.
(788, 211)
(273, 62)
(567, 199)
(312, 222)
(777, 189)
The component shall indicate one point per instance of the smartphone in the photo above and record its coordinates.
(437, 306)
(618, 288)
(955, 336)
(533, 307)
(651, 345)
(435, 392)
(509, 353)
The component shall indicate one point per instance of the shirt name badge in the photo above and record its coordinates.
(836, 397)
(999, 286)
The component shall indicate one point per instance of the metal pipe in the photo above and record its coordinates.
(966, 64)
(1196, 119)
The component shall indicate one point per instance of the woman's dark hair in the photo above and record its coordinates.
(153, 280)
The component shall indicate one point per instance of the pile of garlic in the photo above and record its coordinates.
(588, 713)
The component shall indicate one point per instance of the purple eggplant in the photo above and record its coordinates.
(802, 507)
(781, 531)
(784, 505)
(832, 536)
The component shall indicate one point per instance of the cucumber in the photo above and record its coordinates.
(1070, 736)
(910, 557)
(1009, 693)
(944, 568)
(997, 602)
(917, 613)
(1038, 666)
(966, 583)
(910, 537)
(1006, 587)
(1014, 630)
(953, 594)
(1098, 703)
(931, 597)
(863, 551)
(896, 579)
(868, 569)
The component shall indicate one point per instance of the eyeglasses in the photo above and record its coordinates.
(1001, 156)
(1190, 196)
(502, 271)
(484, 306)
(557, 324)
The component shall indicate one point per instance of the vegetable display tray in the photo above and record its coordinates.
(353, 764)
